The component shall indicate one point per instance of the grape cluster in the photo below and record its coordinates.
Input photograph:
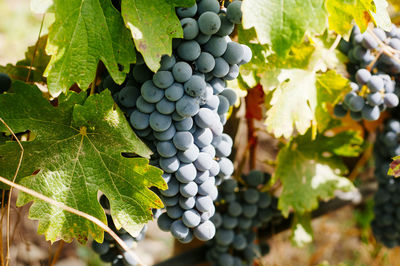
(386, 224)
(180, 112)
(371, 93)
(109, 250)
(241, 208)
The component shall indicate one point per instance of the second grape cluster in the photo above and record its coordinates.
(372, 71)
(241, 210)
(386, 223)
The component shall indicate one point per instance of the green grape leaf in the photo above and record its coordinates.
(298, 101)
(3, 138)
(301, 229)
(153, 24)
(283, 24)
(259, 61)
(394, 168)
(292, 106)
(76, 151)
(298, 58)
(343, 12)
(20, 70)
(311, 170)
(331, 87)
(85, 32)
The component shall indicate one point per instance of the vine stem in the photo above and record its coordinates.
(253, 113)
(57, 254)
(60, 205)
(10, 193)
(371, 65)
(93, 85)
(238, 172)
(252, 140)
(335, 43)
(3, 196)
(386, 49)
(363, 160)
(35, 50)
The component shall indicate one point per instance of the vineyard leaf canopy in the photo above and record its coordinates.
(153, 25)
(343, 12)
(311, 170)
(84, 32)
(282, 24)
(77, 148)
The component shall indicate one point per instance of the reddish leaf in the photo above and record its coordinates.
(395, 167)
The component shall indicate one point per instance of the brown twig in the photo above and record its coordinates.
(252, 140)
(10, 192)
(1, 228)
(49, 249)
(73, 211)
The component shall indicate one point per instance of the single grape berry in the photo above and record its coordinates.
(5, 82)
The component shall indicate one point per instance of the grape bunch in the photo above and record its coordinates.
(386, 224)
(109, 250)
(241, 208)
(180, 111)
(370, 95)
(373, 73)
